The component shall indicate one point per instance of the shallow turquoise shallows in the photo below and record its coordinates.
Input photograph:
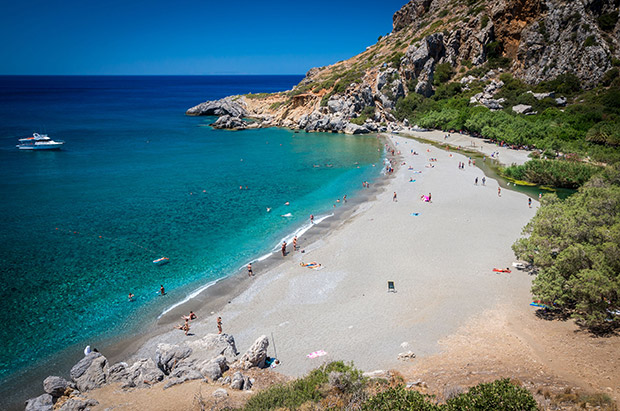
(138, 180)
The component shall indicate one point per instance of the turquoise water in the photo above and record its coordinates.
(138, 180)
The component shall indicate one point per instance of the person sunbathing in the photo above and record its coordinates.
(312, 264)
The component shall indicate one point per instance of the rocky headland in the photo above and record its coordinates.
(534, 40)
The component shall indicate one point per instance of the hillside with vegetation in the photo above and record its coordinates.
(540, 74)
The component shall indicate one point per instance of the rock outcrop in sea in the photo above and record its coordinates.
(205, 359)
(534, 40)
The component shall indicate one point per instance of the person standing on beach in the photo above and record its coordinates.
(344, 198)
(311, 218)
(283, 248)
(295, 243)
(219, 325)
(484, 180)
(476, 182)
(394, 197)
(499, 191)
(529, 202)
(429, 198)
(250, 272)
(161, 290)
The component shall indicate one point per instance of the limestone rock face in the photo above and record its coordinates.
(565, 40)
(56, 386)
(143, 373)
(40, 403)
(168, 356)
(409, 13)
(231, 106)
(256, 355)
(90, 372)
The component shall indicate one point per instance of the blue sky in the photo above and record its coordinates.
(186, 37)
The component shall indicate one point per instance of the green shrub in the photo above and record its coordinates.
(295, 393)
(395, 58)
(605, 132)
(590, 41)
(484, 21)
(498, 395)
(609, 76)
(399, 398)
(615, 61)
(608, 21)
(566, 83)
(405, 107)
(556, 173)
(443, 73)
(442, 13)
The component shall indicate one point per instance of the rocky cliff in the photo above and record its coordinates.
(535, 40)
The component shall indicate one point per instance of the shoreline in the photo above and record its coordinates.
(203, 300)
(234, 289)
(248, 298)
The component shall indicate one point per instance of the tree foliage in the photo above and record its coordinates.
(575, 243)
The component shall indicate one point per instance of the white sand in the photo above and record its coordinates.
(441, 262)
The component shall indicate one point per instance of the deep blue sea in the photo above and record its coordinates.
(135, 181)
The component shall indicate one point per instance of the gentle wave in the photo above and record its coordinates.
(194, 294)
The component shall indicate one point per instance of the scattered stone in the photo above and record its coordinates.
(405, 356)
(40, 403)
(376, 374)
(351, 128)
(417, 383)
(560, 101)
(56, 386)
(90, 372)
(143, 373)
(220, 393)
(256, 355)
(78, 404)
(237, 381)
(522, 109)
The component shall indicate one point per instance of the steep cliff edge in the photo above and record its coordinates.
(435, 42)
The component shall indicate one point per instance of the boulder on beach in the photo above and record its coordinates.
(213, 345)
(40, 403)
(90, 372)
(56, 386)
(256, 355)
(78, 404)
(168, 356)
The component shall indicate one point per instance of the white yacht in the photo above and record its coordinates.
(39, 142)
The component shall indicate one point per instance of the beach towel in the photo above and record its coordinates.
(499, 270)
(412, 181)
(316, 354)
(538, 304)
(415, 214)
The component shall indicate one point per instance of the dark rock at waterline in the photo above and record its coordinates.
(230, 123)
(231, 106)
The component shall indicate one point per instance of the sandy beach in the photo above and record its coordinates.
(464, 322)
(440, 256)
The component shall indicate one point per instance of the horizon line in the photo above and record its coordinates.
(147, 75)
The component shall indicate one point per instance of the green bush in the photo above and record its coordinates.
(556, 173)
(295, 393)
(608, 21)
(575, 244)
(590, 41)
(443, 73)
(566, 83)
(399, 398)
(498, 395)
(484, 21)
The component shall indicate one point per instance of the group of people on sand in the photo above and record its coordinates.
(185, 327)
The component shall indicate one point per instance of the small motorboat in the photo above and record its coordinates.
(161, 261)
